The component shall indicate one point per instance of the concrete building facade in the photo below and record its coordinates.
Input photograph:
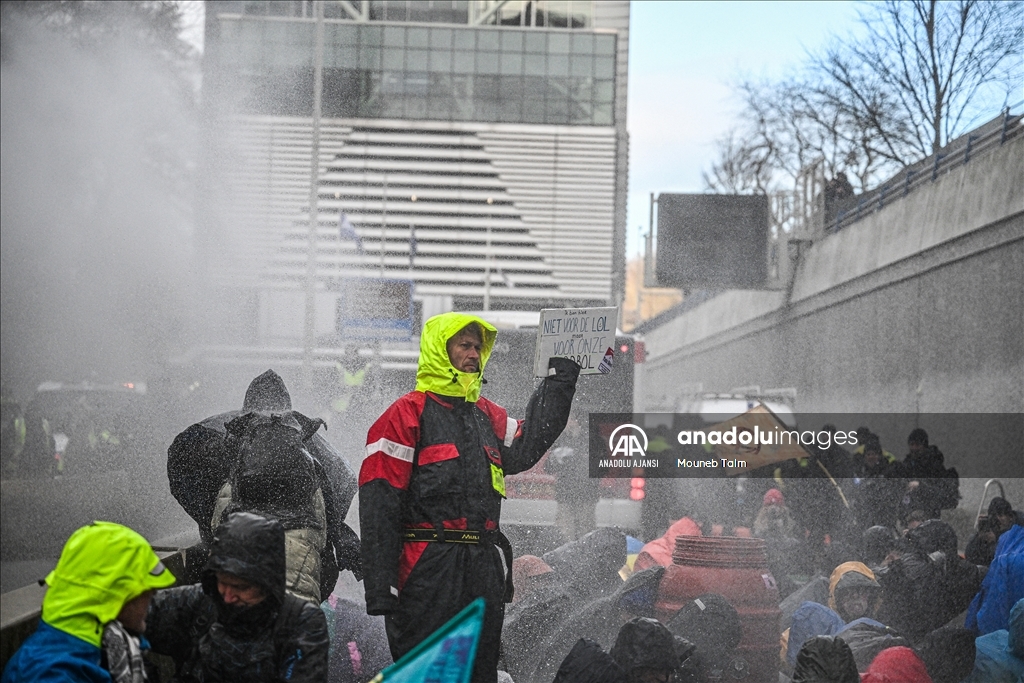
(478, 149)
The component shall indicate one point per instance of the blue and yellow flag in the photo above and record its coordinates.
(447, 656)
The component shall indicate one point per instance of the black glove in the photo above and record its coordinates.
(346, 550)
(565, 368)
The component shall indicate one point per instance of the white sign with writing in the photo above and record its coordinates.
(586, 335)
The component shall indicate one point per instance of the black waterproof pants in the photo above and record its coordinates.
(447, 577)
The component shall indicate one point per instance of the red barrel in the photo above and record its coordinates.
(737, 569)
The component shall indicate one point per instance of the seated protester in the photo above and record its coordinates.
(539, 631)
(774, 519)
(775, 525)
(981, 549)
(876, 544)
(825, 659)
(875, 493)
(853, 592)
(809, 621)
(867, 637)
(359, 643)
(646, 651)
(928, 584)
(947, 653)
(94, 610)
(713, 626)
(240, 624)
(659, 551)
(897, 665)
(529, 572)
(1003, 585)
(588, 663)
(930, 486)
(999, 655)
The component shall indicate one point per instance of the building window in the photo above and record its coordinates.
(435, 73)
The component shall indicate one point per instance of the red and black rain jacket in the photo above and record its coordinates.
(436, 462)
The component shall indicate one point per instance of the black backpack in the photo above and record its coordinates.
(272, 472)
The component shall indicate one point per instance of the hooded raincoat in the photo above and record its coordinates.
(852, 575)
(103, 566)
(999, 656)
(588, 663)
(824, 659)
(929, 584)
(281, 638)
(434, 468)
(867, 637)
(659, 551)
(810, 621)
(897, 665)
(1003, 585)
(199, 469)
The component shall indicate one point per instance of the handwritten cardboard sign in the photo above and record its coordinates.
(586, 335)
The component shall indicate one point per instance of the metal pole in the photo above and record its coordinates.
(487, 273)
(383, 223)
(650, 219)
(314, 180)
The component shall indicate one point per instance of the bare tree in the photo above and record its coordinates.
(929, 60)
(744, 166)
(923, 72)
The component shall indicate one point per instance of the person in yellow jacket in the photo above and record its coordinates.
(94, 611)
(853, 591)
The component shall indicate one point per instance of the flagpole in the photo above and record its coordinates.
(412, 245)
(383, 224)
(487, 264)
(314, 180)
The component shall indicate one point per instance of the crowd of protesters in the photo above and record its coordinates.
(897, 607)
(872, 590)
(894, 610)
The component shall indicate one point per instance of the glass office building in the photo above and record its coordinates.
(478, 148)
(436, 73)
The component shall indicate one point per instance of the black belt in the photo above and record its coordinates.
(450, 536)
(470, 537)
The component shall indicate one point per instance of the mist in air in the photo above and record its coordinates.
(98, 161)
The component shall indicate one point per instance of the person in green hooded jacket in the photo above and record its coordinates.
(431, 486)
(94, 611)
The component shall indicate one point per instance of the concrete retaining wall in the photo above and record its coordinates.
(918, 308)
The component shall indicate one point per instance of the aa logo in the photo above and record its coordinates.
(628, 443)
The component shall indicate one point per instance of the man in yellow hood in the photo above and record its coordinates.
(94, 610)
(853, 591)
(431, 486)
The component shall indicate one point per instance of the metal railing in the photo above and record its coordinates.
(979, 142)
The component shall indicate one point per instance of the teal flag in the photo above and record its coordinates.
(446, 656)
